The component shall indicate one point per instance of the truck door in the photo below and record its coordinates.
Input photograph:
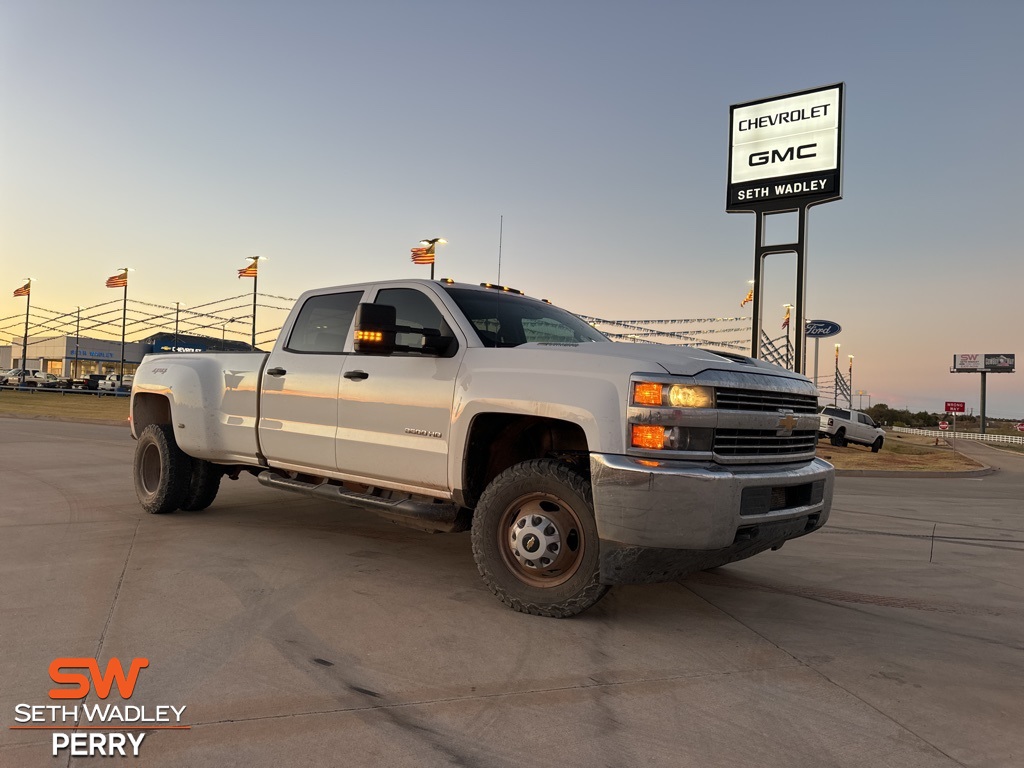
(299, 389)
(395, 412)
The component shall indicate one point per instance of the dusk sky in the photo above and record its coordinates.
(180, 137)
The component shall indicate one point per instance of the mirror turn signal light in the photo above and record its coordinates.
(369, 336)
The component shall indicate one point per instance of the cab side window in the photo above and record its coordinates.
(324, 323)
(414, 309)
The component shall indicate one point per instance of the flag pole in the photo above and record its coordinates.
(24, 340)
(124, 318)
(255, 278)
(177, 307)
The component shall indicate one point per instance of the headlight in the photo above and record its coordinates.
(682, 396)
(674, 395)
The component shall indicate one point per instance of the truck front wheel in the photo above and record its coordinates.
(535, 540)
(161, 470)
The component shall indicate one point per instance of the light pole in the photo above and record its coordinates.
(835, 391)
(177, 307)
(223, 329)
(851, 381)
(785, 324)
(78, 323)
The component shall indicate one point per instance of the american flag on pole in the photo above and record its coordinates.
(25, 290)
(423, 255)
(750, 298)
(120, 280)
(785, 320)
(251, 270)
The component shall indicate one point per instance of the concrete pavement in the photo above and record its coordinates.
(299, 632)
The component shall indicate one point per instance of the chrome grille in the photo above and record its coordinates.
(764, 443)
(764, 400)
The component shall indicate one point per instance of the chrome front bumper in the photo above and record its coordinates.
(658, 520)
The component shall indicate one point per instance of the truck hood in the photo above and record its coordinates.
(675, 360)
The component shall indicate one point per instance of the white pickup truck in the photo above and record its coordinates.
(577, 463)
(843, 426)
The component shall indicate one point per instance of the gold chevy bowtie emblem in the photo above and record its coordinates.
(786, 424)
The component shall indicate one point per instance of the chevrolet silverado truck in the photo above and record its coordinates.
(843, 426)
(576, 462)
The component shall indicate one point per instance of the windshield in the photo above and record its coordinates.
(508, 320)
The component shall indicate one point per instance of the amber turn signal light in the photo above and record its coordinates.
(646, 436)
(646, 393)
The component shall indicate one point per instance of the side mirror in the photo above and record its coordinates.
(375, 329)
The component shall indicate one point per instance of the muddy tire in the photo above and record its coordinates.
(877, 445)
(535, 540)
(161, 470)
(203, 485)
(839, 438)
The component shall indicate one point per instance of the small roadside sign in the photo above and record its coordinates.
(953, 406)
(943, 425)
(1020, 427)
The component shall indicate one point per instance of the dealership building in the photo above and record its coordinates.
(80, 356)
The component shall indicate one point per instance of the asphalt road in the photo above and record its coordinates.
(298, 632)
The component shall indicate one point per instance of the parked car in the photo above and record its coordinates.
(113, 382)
(842, 426)
(13, 376)
(45, 381)
(89, 381)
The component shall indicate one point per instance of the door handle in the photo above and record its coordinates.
(357, 375)
(276, 372)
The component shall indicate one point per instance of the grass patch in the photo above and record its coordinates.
(906, 453)
(57, 407)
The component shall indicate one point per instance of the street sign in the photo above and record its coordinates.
(955, 407)
(1020, 427)
(943, 425)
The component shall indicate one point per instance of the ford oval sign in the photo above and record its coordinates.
(822, 329)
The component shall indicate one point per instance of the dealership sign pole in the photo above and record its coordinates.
(983, 364)
(785, 155)
(818, 330)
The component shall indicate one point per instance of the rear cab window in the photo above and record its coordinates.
(324, 323)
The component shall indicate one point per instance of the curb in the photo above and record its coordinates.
(985, 470)
(37, 417)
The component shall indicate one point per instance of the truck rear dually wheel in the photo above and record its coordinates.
(535, 540)
(161, 470)
(203, 485)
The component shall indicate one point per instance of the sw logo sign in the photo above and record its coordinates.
(102, 682)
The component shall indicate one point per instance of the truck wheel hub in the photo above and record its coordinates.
(535, 541)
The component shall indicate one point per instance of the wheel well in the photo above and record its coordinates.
(497, 441)
(149, 409)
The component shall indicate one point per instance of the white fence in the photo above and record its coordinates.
(1015, 439)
